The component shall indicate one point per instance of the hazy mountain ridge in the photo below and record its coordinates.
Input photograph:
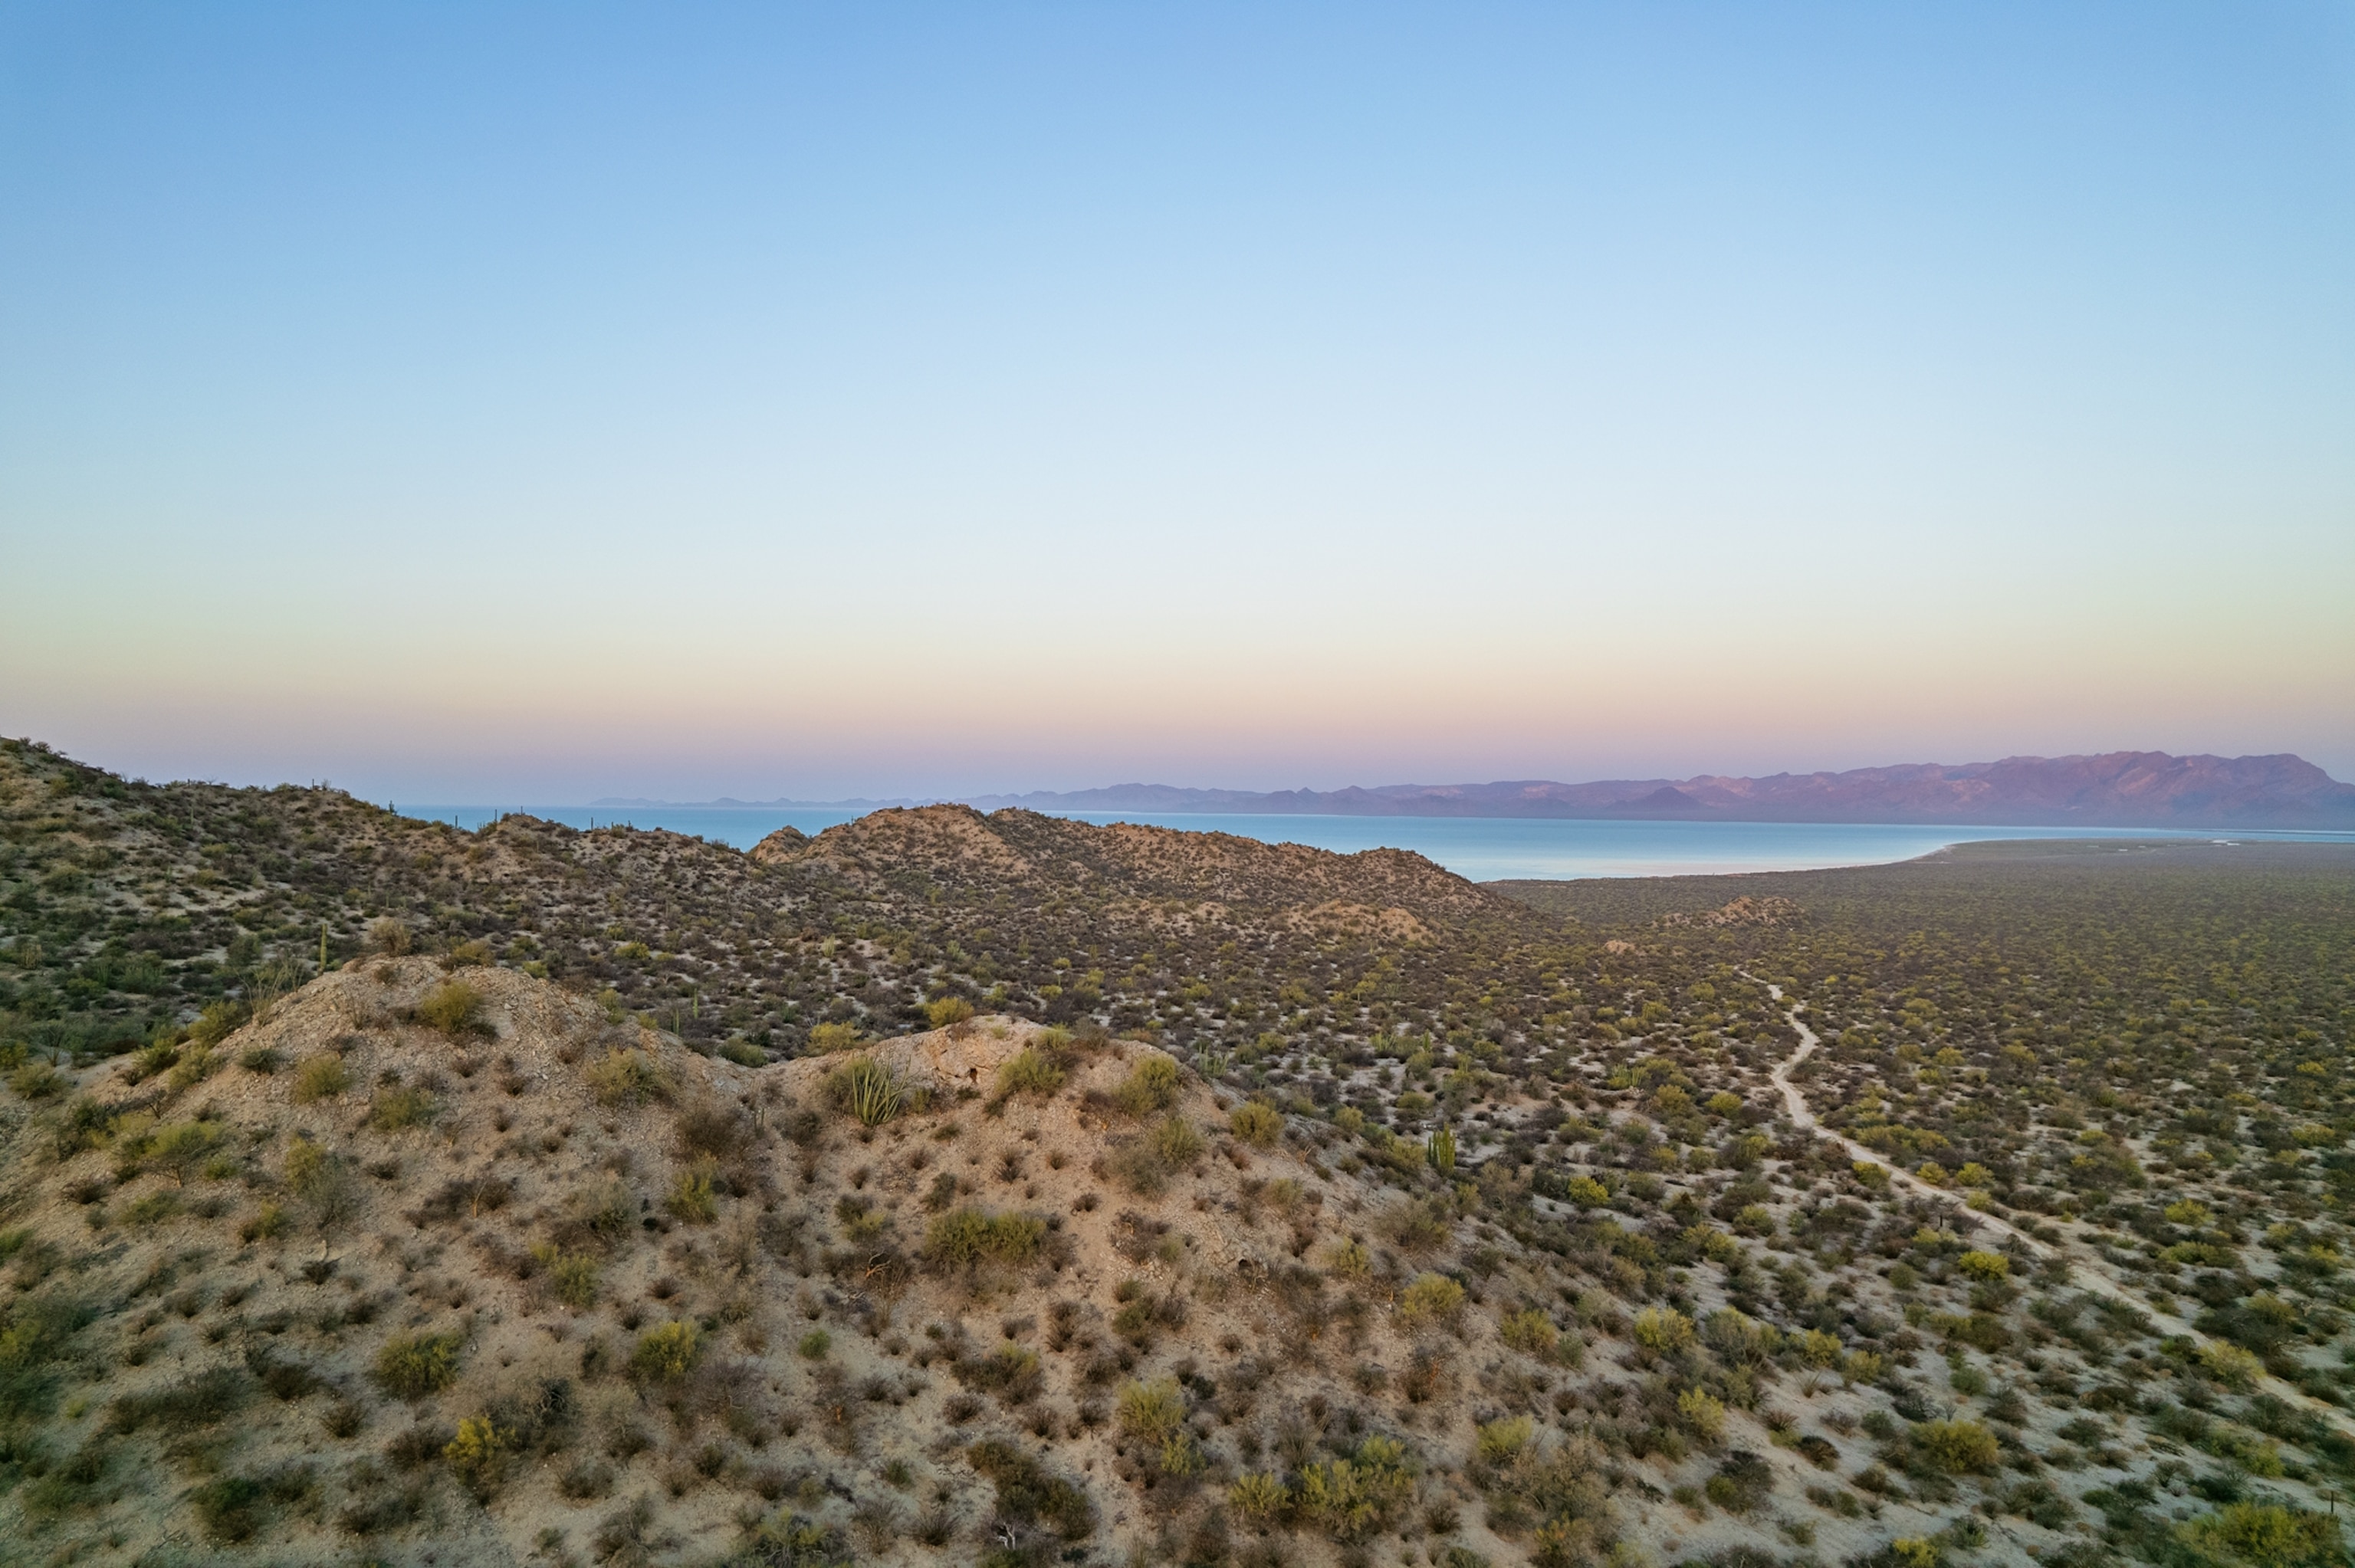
(2122, 789)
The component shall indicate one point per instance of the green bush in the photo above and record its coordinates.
(1957, 1448)
(2266, 1535)
(825, 1039)
(744, 1054)
(395, 1109)
(1256, 1124)
(1742, 1483)
(1153, 1084)
(39, 1081)
(260, 1059)
(454, 1008)
(411, 1366)
(667, 1352)
(1663, 1330)
(948, 1012)
(1431, 1298)
(1260, 1496)
(966, 1236)
(626, 1077)
(1350, 1499)
(693, 1197)
(1028, 1492)
(571, 1276)
(1029, 1071)
(183, 1147)
(1530, 1332)
(320, 1078)
(204, 1400)
(1176, 1143)
(1501, 1442)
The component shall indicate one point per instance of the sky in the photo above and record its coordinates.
(497, 402)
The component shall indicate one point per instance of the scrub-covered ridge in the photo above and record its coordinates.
(958, 1188)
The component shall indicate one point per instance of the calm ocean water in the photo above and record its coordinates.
(1482, 848)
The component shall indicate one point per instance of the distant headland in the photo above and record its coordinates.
(2118, 789)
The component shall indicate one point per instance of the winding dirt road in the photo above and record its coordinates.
(2088, 1273)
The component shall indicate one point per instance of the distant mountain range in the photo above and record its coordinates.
(2118, 789)
(2115, 790)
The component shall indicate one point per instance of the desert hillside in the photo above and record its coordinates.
(371, 1190)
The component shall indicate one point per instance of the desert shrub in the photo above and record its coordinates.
(196, 1064)
(477, 1454)
(1957, 1448)
(1742, 1483)
(744, 1054)
(1739, 1339)
(1259, 1496)
(1531, 1331)
(264, 1222)
(395, 1108)
(692, 1196)
(37, 1081)
(814, 1346)
(1152, 1412)
(2230, 1364)
(1012, 1372)
(1432, 1298)
(1663, 1330)
(1703, 1413)
(667, 1352)
(1986, 1266)
(181, 1148)
(866, 1089)
(1586, 1192)
(1176, 1143)
(203, 1400)
(218, 1020)
(1029, 1071)
(1418, 1227)
(1028, 1492)
(229, 1507)
(1151, 1085)
(948, 1012)
(825, 1039)
(607, 1211)
(626, 1077)
(35, 1334)
(713, 1130)
(454, 1008)
(1348, 1259)
(388, 936)
(320, 1078)
(260, 1059)
(2266, 1535)
(791, 1541)
(965, 1236)
(1501, 1442)
(1351, 1497)
(1256, 1124)
(411, 1366)
(571, 1276)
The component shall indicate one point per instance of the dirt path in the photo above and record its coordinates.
(2086, 1271)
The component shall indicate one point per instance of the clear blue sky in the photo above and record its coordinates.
(492, 402)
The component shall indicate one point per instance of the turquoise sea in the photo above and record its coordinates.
(1484, 849)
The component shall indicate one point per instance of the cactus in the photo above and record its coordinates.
(1439, 1149)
